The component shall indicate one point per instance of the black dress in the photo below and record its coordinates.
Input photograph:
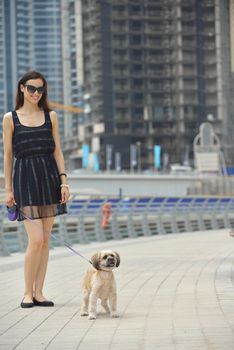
(36, 178)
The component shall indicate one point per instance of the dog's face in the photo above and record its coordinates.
(105, 260)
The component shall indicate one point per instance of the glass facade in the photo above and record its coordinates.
(47, 50)
(4, 67)
(30, 38)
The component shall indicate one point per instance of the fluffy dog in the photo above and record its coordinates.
(99, 283)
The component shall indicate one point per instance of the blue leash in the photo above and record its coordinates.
(68, 246)
(57, 239)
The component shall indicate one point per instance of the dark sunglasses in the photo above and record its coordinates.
(32, 89)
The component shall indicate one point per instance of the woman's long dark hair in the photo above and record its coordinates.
(43, 103)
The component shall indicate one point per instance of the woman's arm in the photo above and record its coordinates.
(58, 155)
(8, 127)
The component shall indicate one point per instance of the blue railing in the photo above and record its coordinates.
(141, 205)
(130, 217)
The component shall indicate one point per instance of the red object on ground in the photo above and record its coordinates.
(106, 213)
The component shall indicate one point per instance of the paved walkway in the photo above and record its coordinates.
(174, 292)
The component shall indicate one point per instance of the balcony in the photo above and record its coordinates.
(209, 18)
(211, 74)
(211, 89)
(119, 29)
(122, 119)
(189, 58)
(155, 88)
(119, 13)
(124, 103)
(154, 29)
(155, 59)
(190, 99)
(155, 43)
(121, 44)
(120, 57)
(121, 87)
(120, 73)
(138, 88)
(207, 3)
(188, 16)
(187, 31)
(153, 73)
(211, 101)
(137, 74)
(210, 47)
(190, 87)
(151, 15)
(189, 73)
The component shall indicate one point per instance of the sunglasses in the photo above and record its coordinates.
(32, 89)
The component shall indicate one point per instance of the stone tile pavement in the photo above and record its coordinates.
(174, 292)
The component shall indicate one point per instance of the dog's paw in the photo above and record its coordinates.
(84, 313)
(114, 314)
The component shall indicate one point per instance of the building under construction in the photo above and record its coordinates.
(155, 70)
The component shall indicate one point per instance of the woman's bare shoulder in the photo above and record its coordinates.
(7, 118)
(7, 121)
(53, 114)
(53, 117)
(8, 115)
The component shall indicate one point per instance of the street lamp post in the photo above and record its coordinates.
(118, 161)
(138, 144)
(108, 157)
(133, 157)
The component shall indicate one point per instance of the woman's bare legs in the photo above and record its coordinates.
(41, 271)
(32, 259)
(36, 257)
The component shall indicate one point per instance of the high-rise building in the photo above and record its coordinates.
(5, 71)
(231, 14)
(152, 71)
(30, 38)
(47, 44)
(155, 70)
(231, 43)
(72, 54)
(72, 64)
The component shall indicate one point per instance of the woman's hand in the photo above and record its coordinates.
(10, 200)
(65, 194)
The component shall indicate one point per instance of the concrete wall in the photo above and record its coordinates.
(131, 185)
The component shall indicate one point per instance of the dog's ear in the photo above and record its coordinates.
(118, 259)
(95, 261)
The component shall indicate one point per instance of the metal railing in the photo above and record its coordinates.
(130, 217)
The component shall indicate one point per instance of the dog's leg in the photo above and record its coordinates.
(113, 304)
(85, 304)
(93, 306)
(105, 305)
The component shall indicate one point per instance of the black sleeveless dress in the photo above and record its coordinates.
(36, 178)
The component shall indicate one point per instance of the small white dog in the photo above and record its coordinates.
(99, 283)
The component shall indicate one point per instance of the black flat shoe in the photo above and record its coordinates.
(43, 303)
(26, 305)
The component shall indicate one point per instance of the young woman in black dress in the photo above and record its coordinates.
(37, 183)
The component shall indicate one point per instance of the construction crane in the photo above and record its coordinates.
(68, 108)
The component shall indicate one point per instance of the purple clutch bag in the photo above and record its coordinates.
(12, 212)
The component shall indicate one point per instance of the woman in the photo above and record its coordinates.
(38, 184)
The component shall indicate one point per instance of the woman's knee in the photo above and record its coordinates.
(46, 239)
(36, 243)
